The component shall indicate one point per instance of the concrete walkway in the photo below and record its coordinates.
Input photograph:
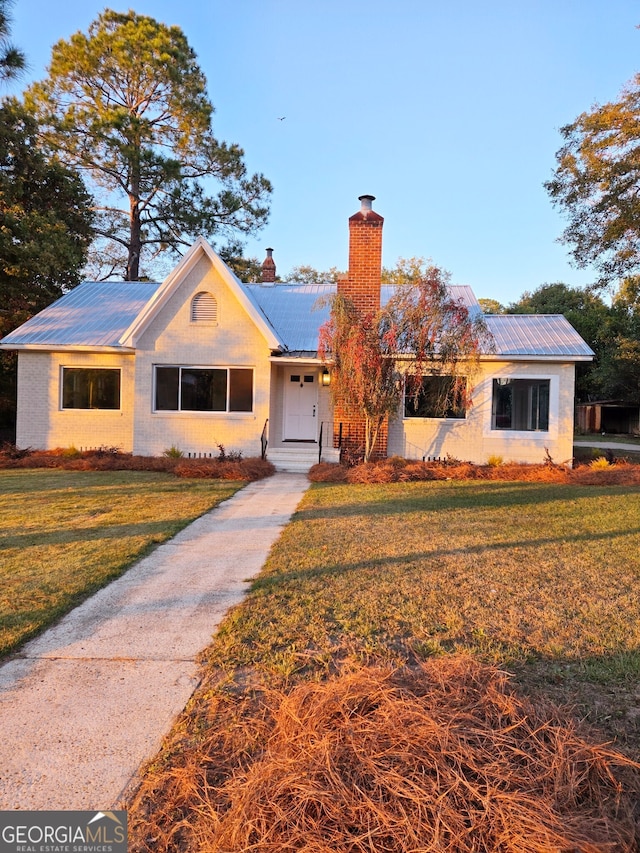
(610, 445)
(86, 704)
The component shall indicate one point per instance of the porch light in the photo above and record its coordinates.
(326, 378)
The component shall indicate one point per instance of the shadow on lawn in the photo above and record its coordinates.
(90, 533)
(445, 496)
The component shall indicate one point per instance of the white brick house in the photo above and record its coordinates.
(202, 360)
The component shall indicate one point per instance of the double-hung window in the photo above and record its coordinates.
(520, 404)
(203, 389)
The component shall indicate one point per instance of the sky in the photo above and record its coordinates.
(449, 113)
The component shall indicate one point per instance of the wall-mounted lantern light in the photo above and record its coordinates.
(326, 378)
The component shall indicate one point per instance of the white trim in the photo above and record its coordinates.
(65, 348)
(207, 412)
(63, 408)
(516, 435)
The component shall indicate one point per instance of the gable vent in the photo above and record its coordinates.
(204, 308)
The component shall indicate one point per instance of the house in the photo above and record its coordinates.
(202, 360)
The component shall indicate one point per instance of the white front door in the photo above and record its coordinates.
(300, 405)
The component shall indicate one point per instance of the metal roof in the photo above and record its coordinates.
(542, 335)
(97, 314)
(296, 311)
(94, 314)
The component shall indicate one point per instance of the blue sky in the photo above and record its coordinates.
(448, 113)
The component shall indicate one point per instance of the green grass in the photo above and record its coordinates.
(540, 578)
(65, 534)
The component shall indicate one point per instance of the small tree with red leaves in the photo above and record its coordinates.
(376, 357)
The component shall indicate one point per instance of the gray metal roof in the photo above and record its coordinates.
(542, 335)
(296, 311)
(94, 314)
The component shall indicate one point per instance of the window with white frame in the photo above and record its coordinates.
(90, 388)
(203, 389)
(520, 404)
(436, 398)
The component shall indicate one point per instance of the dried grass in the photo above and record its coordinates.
(444, 757)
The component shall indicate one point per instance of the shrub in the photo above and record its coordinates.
(173, 452)
(599, 463)
(494, 461)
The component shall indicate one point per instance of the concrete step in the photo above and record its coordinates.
(299, 458)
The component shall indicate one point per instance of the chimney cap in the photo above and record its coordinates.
(366, 212)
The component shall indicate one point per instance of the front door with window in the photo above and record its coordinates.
(300, 405)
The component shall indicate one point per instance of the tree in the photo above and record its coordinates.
(492, 306)
(45, 229)
(421, 330)
(127, 105)
(12, 60)
(600, 326)
(597, 184)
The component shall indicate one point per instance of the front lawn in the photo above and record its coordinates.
(539, 578)
(65, 534)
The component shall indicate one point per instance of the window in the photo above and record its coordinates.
(520, 404)
(204, 308)
(204, 389)
(436, 398)
(90, 388)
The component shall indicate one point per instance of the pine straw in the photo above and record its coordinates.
(395, 470)
(111, 459)
(443, 757)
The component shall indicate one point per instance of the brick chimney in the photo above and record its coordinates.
(268, 268)
(362, 284)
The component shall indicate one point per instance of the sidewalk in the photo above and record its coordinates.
(86, 704)
(610, 445)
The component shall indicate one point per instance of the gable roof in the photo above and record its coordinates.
(172, 282)
(113, 315)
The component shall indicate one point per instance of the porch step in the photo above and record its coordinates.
(299, 459)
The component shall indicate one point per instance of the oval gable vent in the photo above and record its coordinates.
(204, 308)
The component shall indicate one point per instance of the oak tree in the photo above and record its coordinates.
(127, 104)
(597, 185)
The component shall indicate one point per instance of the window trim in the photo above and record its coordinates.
(205, 412)
(551, 409)
(86, 367)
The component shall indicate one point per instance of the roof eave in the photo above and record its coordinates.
(555, 357)
(65, 348)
